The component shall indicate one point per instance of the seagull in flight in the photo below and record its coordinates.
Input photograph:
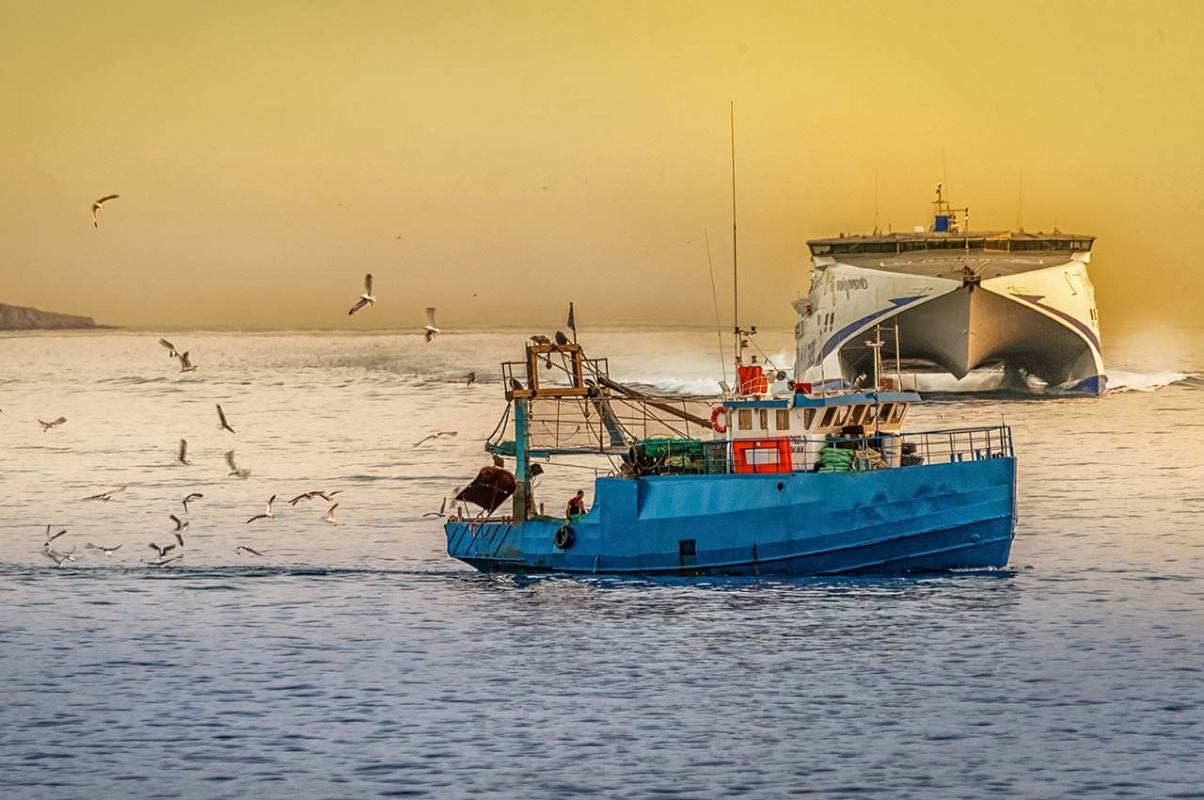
(190, 497)
(429, 330)
(367, 298)
(161, 561)
(441, 512)
(96, 204)
(181, 525)
(57, 557)
(182, 455)
(52, 424)
(242, 473)
(242, 548)
(50, 538)
(107, 496)
(267, 514)
(162, 551)
(311, 495)
(171, 348)
(470, 379)
(434, 436)
(223, 423)
(108, 551)
(330, 514)
(185, 364)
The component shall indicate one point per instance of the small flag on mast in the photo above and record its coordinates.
(572, 323)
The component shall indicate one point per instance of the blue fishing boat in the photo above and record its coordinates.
(747, 483)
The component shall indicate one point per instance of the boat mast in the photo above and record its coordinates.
(735, 262)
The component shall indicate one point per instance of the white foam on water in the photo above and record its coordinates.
(1121, 381)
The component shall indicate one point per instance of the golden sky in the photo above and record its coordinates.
(269, 154)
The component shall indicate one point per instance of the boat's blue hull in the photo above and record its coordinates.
(936, 517)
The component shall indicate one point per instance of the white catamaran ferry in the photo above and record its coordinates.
(1015, 303)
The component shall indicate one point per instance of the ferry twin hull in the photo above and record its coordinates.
(932, 517)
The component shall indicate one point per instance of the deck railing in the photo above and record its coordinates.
(860, 453)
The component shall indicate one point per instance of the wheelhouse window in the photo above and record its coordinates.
(808, 417)
(763, 418)
(856, 414)
(885, 412)
(826, 420)
(744, 419)
(783, 419)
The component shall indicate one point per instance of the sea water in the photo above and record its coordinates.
(357, 660)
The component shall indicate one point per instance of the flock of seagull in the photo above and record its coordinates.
(164, 553)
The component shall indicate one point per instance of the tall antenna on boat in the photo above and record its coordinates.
(735, 261)
(706, 235)
(875, 202)
(1019, 197)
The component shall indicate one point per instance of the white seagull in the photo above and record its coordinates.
(171, 348)
(223, 424)
(267, 514)
(182, 455)
(429, 330)
(108, 551)
(242, 473)
(50, 538)
(107, 496)
(367, 298)
(242, 548)
(190, 497)
(434, 436)
(185, 364)
(330, 514)
(97, 204)
(181, 525)
(162, 551)
(441, 512)
(57, 557)
(52, 424)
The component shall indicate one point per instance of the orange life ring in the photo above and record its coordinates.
(717, 426)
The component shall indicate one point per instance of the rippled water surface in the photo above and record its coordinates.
(357, 660)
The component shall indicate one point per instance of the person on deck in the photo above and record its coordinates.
(576, 506)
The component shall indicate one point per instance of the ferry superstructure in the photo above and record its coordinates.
(962, 300)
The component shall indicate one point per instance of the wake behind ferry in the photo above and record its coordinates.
(803, 482)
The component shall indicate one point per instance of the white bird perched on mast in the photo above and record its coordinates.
(97, 204)
(429, 330)
(367, 298)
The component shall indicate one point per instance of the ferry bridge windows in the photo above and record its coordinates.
(808, 417)
(783, 419)
(885, 412)
(763, 418)
(744, 419)
(826, 420)
(871, 414)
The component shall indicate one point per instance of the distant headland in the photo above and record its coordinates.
(21, 318)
